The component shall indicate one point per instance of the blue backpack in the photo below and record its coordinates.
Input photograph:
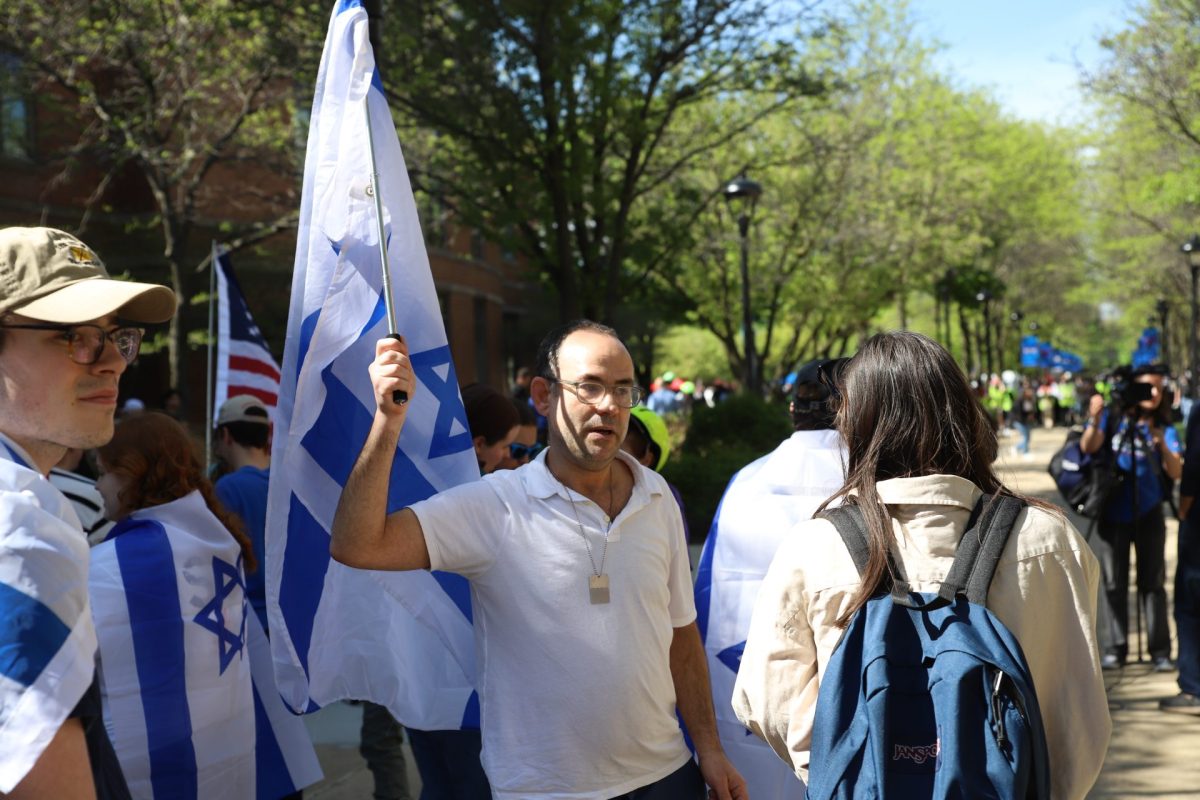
(929, 695)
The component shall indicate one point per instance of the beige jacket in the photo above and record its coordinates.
(1044, 591)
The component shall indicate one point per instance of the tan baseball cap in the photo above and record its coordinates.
(237, 409)
(49, 275)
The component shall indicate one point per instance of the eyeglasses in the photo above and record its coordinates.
(85, 343)
(592, 393)
(521, 452)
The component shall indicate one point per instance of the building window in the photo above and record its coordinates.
(477, 245)
(15, 111)
(506, 243)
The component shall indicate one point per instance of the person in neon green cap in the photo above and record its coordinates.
(649, 441)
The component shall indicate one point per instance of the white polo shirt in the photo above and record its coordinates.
(576, 699)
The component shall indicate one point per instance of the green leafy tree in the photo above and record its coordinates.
(558, 128)
(870, 193)
(176, 92)
(1145, 176)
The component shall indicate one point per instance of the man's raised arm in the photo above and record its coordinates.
(365, 536)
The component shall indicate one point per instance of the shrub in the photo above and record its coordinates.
(720, 441)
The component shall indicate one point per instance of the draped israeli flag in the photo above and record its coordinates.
(47, 642)
(401, 639)
(761, 505)
(185, 673)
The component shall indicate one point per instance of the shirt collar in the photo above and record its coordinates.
(541, 483)
(930, 490)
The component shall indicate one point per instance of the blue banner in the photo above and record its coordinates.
(1148, 348)
(1030, 352)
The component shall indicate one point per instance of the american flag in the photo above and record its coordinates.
(244, 362)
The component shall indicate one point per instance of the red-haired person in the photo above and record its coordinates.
(168, 594)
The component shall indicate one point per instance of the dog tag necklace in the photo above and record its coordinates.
(598, 580)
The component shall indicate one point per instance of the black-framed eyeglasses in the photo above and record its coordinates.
(85, 343)
(521, 452)
(593, 393)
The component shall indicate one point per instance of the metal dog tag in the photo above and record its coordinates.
(598, 589)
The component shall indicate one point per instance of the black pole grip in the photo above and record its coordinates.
(399, 396)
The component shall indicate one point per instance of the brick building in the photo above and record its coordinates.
(493, 315)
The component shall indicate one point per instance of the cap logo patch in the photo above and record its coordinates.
(81, 256)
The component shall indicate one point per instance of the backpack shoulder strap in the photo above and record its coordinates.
(979, 550)
(853, 529)
(850, 526)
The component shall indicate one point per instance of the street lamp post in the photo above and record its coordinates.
(1163, 308)
(984, 296)
(1191, 251)
(1016, 318)
(742, 195)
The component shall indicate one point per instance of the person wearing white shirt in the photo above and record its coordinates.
(583, 614)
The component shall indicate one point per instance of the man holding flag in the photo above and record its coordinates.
(580, 584)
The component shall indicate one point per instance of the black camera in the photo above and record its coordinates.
(1128, 392)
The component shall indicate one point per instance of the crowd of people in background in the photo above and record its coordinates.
(571, 440)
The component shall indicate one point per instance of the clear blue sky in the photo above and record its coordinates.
(1024, 50)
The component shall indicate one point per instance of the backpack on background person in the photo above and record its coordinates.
(929, 695)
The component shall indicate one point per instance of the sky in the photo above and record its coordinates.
(1024, 50)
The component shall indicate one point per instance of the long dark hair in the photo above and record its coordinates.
(907, 411)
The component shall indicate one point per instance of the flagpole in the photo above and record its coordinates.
(208, 388)
(399, 397)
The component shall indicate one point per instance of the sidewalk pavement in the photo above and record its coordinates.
(1152, 753)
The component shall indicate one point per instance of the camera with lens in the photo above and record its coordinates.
(1127, 392)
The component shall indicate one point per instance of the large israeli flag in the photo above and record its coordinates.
(401, 639)
(47, 642)
(761, 505)
(185, 669)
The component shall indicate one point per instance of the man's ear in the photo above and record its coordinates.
(539, 392)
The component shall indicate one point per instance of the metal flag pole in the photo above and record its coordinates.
(399, 396)
(208, 387)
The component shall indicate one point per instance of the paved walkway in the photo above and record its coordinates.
(1152, 754)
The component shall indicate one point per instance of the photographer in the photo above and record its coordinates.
(1145, 448)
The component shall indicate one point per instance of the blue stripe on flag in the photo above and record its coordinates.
(272, 778)
(305, 562)
(346, 5)
(16, 457)
(156, 623)
(30, 635)
(471, 712)
(307, 329)
(459, 590)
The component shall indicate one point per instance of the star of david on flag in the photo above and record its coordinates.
(401, 639)
(226, 578)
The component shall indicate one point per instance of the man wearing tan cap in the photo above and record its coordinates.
(65, 338)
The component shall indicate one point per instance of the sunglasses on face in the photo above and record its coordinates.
(85, 343)
(523, 452)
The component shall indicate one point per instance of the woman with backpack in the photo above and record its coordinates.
(920, 453)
